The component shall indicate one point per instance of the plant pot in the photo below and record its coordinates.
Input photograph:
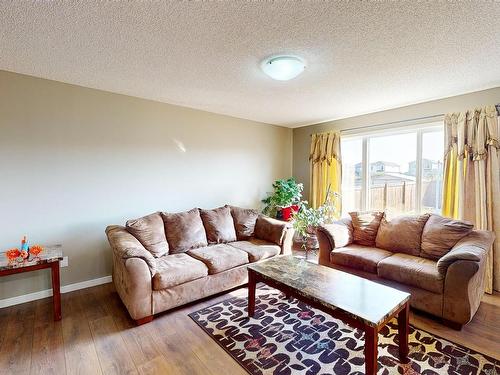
(287, 212)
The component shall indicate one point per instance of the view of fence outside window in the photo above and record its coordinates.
(396, 170)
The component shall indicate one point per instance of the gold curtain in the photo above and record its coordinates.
(325, 168)
(471, 188)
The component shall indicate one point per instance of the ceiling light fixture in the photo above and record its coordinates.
(283, 68)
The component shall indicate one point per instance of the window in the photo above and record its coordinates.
(397, 170)
(432, 171)
(390, 181)
(352, 150)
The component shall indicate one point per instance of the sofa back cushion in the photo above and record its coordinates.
(365, 227)
(219, 225)
(244, 222)
(402, 234)
(150, 231)
(270, 230)
(184, 231)
(440, 234)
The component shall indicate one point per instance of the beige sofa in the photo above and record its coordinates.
(439, 261)
(164, 260)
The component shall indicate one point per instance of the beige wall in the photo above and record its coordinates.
(301, 136)
(73, 160)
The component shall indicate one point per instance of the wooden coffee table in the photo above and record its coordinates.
(358, 302)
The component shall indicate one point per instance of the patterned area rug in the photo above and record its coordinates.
(289, 337)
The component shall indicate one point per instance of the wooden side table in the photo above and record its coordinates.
(48, 258)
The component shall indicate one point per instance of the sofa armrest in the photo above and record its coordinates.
(473, 247)
(464, 269)
(286, 246)
(133, 267)
(126, 246)
(332, 236)
(271, 230)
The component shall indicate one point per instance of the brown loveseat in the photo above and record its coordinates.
(165, 260)
(439, 261)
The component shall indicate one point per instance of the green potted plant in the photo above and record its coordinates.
(284, 200)
(307, 219)
(305, 222)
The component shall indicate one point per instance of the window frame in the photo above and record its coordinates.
(419, 129)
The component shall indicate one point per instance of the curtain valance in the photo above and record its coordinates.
(325, 147)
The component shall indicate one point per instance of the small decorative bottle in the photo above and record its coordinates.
(24, 248)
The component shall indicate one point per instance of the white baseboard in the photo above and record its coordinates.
(84, 284)
(48, 292)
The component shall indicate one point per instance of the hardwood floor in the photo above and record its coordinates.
(96, 336)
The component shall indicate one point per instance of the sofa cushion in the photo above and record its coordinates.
(271, 230)
(220, 257)
(150, 231)
(440, 234)
(176, 269)
(184, 231)
(219, 225)
(364, 258)
(411, 270)
(257, 249)
(402, 234)
(244, 222)
(365, 227)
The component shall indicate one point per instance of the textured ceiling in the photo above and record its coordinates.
(362, 57)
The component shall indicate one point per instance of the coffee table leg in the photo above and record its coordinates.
(56, 290)
(251, 293)
(403, 332)
(371, 350)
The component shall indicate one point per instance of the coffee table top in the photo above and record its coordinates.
(362, 299)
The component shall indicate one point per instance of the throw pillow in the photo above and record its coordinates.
(219, 225)
(184, 231)
(365, 227)
(244, 222)
(441, 234)
(150, 232)
(402, 234)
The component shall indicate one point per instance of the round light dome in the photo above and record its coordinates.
(283, 68)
